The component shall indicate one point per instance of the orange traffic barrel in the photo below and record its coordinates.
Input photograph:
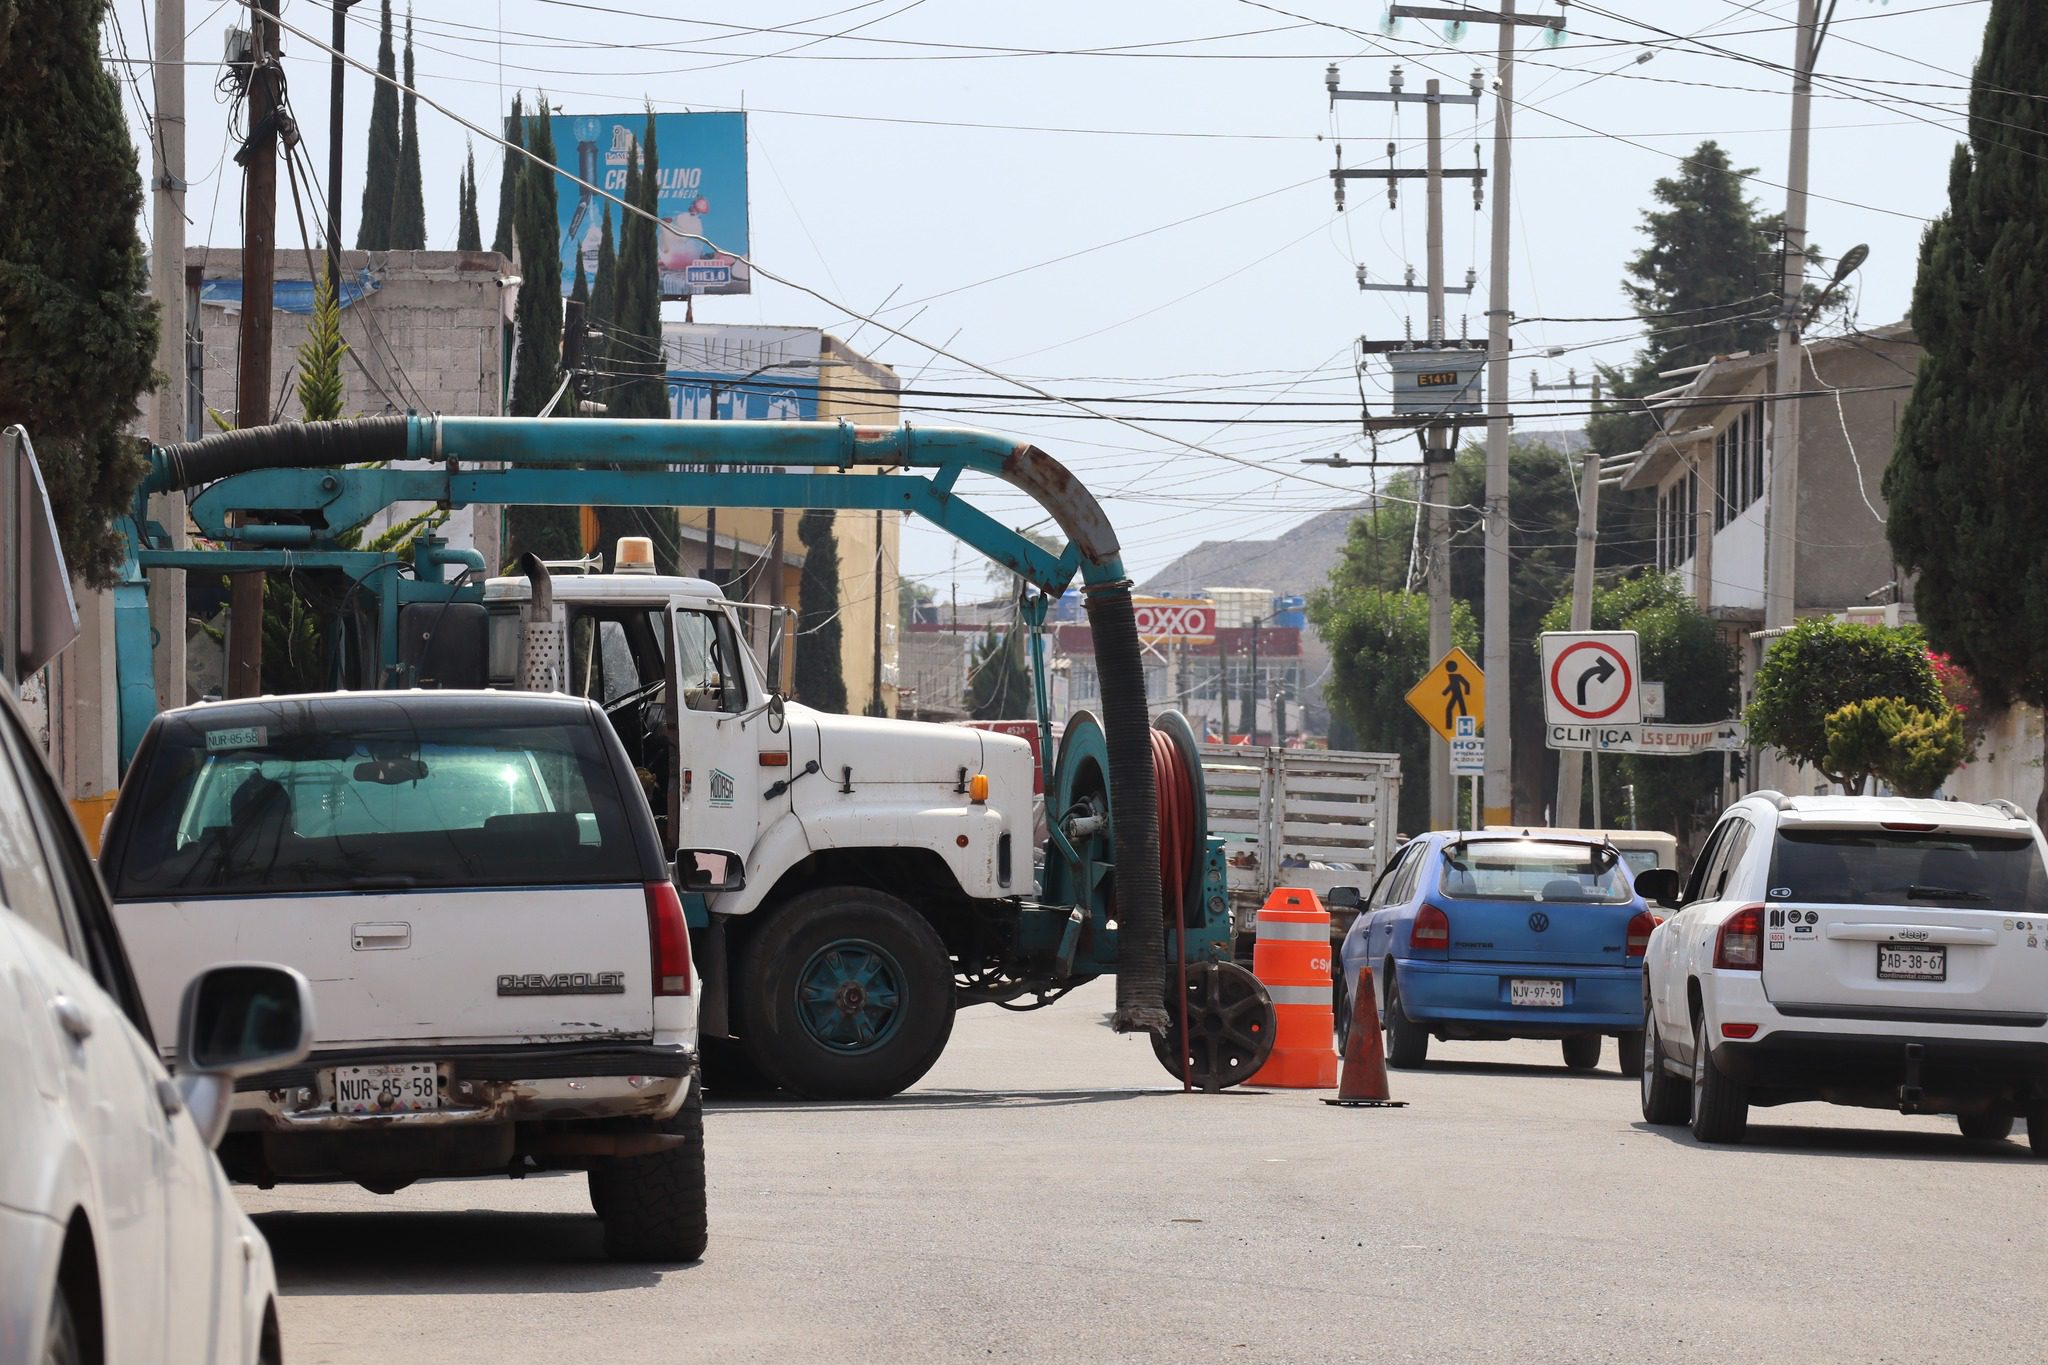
(1291, 958)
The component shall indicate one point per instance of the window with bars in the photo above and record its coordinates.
(1738, 465)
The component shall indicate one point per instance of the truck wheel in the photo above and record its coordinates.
(1407, 1041)
(848, 995)
(1582, 1053)
(653, 1207)
(1991, 1127)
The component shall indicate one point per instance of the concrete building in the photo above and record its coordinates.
(1710, 473)
(718, 372)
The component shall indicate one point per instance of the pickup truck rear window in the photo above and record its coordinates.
(1528, 870)
(1899, 867)
(293, 808)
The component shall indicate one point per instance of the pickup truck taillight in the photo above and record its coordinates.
(1432, 930)
(1636, 942)
(668, 939)
(1739, 945)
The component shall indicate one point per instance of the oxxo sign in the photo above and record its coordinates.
(1165, 620)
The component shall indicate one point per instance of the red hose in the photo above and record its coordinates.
(1176, 856)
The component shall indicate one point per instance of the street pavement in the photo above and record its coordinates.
(1049, 1194)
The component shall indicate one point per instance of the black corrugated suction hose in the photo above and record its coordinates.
(1127, 729)
(286, 445)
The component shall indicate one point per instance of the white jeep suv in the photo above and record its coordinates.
(1871, 951)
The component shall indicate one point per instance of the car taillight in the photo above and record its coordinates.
(1432, 929)
(1637, 941)
(668, 939)
(1739, 945)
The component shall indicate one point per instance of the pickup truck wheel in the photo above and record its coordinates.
(1582, 1053)
(1990, 1127)
(1664, 1097)
(1407, 1041)
(1720, 1103)
(653, 1207)
(848, 995)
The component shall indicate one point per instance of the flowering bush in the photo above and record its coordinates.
(1963, 695)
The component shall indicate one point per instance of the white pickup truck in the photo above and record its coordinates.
(473, 884)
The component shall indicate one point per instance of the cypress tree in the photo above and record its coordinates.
(380, 162)
(508, 180)
(408, 206)
(820, 680)
(550, 532)
(78, 331)
(581, 292)
(468, 231)
(1968, 482)
(602, 287)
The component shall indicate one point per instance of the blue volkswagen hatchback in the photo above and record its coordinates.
(1498, 935)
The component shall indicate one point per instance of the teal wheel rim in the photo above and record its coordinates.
(851, 996)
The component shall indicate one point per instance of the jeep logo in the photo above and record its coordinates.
(1917, 935)
(562, 983)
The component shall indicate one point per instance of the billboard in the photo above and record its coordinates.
(1171, 620)
(703, 199)
(740, 372)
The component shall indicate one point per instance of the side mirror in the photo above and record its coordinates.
(709, 870)
(237, 1019)
(1659, 884)
(778, 634)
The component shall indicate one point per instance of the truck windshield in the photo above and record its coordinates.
(296, 807)
(1901, 867)
(1530, 870)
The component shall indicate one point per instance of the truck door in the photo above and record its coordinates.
(716, 794)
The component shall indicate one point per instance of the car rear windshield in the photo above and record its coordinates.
(1900, 867)
(296, 806)
(1531, 870)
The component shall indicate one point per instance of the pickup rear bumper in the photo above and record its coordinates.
(478, 1086)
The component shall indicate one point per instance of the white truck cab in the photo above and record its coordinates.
(863, 839)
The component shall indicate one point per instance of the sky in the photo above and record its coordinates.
(1132, 201)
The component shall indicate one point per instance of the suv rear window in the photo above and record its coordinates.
(1898, 867)
(1528, 870)
(294, 805)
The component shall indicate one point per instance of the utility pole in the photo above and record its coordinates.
(875, 698)
(1500, 753)
(1440, 425)
(1438, 455)
(1571, 763)
(259, 268)
(1782, 552)
(1251, 687)
(167, 284)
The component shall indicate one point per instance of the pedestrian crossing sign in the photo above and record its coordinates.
(1453, 691)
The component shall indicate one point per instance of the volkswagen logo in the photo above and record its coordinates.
(1539, 921)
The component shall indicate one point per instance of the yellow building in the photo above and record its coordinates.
(793, 374)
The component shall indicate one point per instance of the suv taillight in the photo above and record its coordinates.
(1432, 929)
(668, 939)
(1739, 945)
(1637, 941)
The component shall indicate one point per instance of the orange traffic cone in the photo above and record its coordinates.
(1364, 1085)
(1292, 958)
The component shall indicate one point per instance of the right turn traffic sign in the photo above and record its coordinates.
(1591, 677)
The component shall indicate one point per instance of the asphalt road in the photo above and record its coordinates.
(1049, 1194)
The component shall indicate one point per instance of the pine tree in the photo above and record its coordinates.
(998, 686)
(1968, 481)
(1701, 286)
(380, 162)
(508, 179)
(78, 331)
(551, 532)
(604, 285)
(408, 206)
(468, 231)
(820, 679)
